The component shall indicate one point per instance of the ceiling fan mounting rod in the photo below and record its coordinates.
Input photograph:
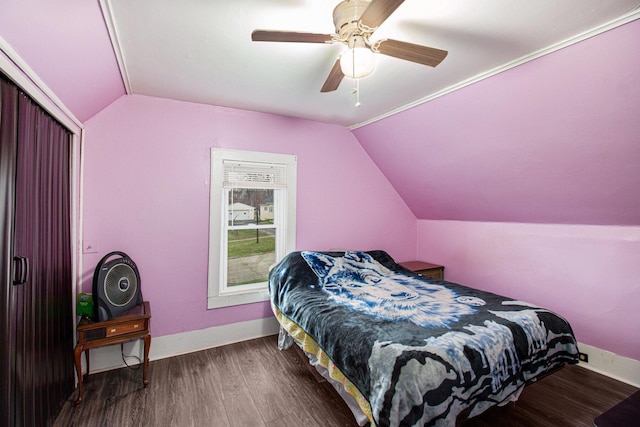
(346, 18)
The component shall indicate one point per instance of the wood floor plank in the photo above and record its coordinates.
(309, 394)
(295, 420)
(204, 397)
(254, 384)
(227, 361)
(269, 400)
(177, 391)
(241, 410)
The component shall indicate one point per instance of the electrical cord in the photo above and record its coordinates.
(134, 357)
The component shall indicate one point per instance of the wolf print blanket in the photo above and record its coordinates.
(415, 350)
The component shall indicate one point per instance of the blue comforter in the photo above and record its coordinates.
(415, 351)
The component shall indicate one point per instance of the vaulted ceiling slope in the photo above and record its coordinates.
(67, 46)
(547, 140)
(556, 140)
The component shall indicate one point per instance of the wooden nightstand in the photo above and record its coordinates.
(424, 268)
(130, 326)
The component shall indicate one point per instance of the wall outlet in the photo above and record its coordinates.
(584, 357)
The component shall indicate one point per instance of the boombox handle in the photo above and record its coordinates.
(110, 254)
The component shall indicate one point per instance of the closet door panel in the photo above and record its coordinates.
(36, 317)
(22, 302)
(44, 350)
(8, 147)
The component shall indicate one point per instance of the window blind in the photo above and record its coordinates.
(253, 175)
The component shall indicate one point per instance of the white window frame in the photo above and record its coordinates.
(219, 295)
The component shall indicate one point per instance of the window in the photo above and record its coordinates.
(252, 222)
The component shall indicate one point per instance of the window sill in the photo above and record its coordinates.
(230, 300)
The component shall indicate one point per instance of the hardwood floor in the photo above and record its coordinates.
(254, 384)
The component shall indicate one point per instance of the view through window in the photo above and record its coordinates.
(251, 236)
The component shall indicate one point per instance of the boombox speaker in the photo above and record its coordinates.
(116, 286)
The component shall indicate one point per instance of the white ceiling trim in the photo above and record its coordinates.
(107, 13)
(625, 19)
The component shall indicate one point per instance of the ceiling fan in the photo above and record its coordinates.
(355, 22)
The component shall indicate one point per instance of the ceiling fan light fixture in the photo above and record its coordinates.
(355, 22)
(357, 62)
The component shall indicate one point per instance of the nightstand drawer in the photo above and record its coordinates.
(425, 269)
(125, 328)
(436, 273)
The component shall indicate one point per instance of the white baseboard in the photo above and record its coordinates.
(612, 365)
(107, 358)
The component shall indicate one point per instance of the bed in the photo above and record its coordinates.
(406, 350)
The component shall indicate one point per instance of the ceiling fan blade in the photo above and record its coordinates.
(334, 78)
(378, 11)
(412, 52)
(289, 36)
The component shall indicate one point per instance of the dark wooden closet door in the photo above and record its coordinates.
(8, 147)
(40, 308)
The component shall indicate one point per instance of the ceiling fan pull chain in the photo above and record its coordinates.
(356, 91)
(356, 82)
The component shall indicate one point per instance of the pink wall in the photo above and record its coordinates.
(588, 274)
(146, 192)
(555, 140)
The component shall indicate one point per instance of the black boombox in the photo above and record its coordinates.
(116, 286)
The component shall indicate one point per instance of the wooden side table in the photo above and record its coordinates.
(425, 268)
(130, 326)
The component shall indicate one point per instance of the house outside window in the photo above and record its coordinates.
(252, 222)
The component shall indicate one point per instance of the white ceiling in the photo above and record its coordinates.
(201, 50)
